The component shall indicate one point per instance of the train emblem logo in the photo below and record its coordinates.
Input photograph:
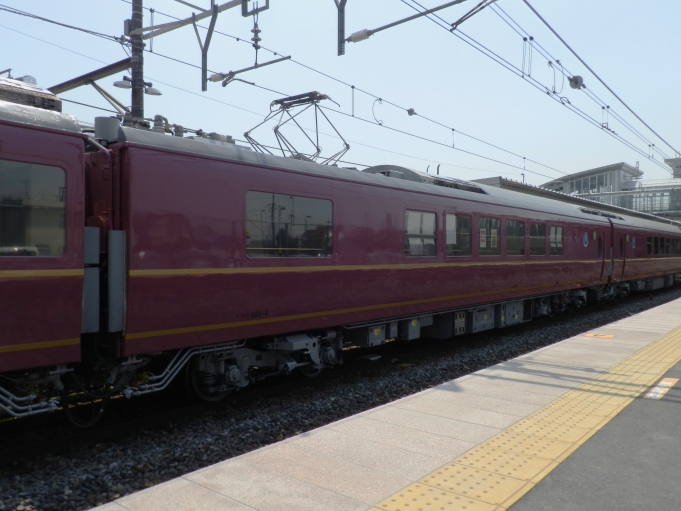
(585, 239)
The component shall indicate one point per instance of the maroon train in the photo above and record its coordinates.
(130, 256)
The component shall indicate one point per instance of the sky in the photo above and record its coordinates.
(503, 125)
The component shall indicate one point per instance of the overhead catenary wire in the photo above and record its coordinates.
(117, 39)
(532, 81)
(598, 77)
(372, 95)
(340, 81)
(365, 92)
(566, 73)
(423, 138)
(208, 98)
(89, 106)
(13, 10)
(434, 141)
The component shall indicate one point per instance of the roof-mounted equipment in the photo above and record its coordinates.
(395, 171)
(280, 108)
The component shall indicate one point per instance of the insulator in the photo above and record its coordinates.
(256, 39)
(360, 36)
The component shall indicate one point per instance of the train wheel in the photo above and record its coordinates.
(202, 384)
(310, 371)
(81, 410)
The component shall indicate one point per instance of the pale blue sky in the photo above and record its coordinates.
(633, 45)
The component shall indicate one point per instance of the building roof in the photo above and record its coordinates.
(648, 184)
(632, 171)
(509, 184)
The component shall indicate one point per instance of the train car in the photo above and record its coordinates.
(129, 256)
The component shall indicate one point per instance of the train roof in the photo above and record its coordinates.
(380, 175)
(377, 176)
(31, 116)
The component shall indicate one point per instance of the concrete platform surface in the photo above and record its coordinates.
(564, 427)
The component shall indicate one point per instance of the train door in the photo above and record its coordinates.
(602, 247)
(618, 251)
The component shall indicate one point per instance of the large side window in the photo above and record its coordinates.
(419, 233)
(656, 245)
(459, 229)
(556, 240)
(288, 226)
(537, 239)
(490, 231)
(32, 209)
(515, 237)
(649, 245)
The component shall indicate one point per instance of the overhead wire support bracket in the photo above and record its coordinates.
(120, 107)
(365, 34)
(228, 77)
(471, 13)
(204, 45)
(245, 12)
(157, 30)
(340, 5)
(97, 74)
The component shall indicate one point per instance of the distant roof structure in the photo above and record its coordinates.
(516, 186)
(625, 167)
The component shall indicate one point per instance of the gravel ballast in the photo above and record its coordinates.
(98, 473)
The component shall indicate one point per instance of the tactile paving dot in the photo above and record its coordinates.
(529, 445)
(419, 497)
(570, 418)
(549, 430)
(475, 483)
(508, 463)
(579, 407)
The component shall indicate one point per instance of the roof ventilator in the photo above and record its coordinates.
(417, 176)
(598, 212)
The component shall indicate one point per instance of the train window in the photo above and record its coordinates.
(656, 245)
(667, 246)
(490, 229)
(458, 239)
(649, 246)
(662, 246)
(600, 247)
(537, 239)
(419, 234)
(32, 209)
(288, 226)
(621, 248)
(515, 237)
(556, 240)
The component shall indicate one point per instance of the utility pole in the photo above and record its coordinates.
(137, 43)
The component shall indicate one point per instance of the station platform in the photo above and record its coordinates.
(587, 423)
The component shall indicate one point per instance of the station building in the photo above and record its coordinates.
(623, 185)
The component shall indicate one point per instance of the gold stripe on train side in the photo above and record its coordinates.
(310, 269)
(309, 315)
(38, 345)
(13, 274)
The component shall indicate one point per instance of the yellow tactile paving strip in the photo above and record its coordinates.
(497, 473)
